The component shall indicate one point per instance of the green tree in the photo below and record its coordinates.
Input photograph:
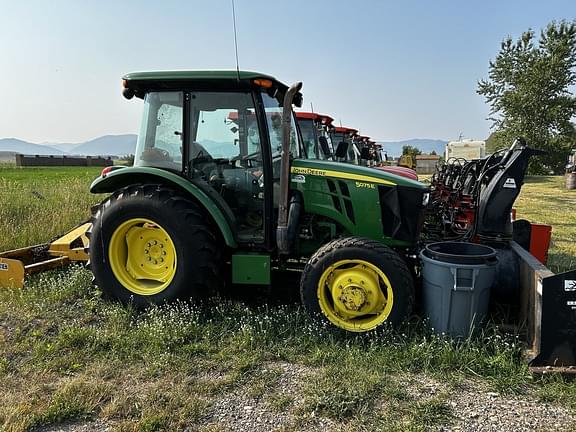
(412, 151)
(528, 90)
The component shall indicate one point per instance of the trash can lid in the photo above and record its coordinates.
(460, 252)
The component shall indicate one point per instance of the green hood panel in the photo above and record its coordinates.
(361, 201)
(351, 172)
(207, 198)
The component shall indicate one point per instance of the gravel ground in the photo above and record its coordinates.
(472, 408)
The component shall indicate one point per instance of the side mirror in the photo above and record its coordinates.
(324, 146)
(341, 150)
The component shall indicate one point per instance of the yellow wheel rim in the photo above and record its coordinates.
(355, 295)
(142, 256)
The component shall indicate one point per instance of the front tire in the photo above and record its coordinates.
(150, 245)
(358, 285)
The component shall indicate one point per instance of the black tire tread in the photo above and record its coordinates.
(363, 243)
(209, 277)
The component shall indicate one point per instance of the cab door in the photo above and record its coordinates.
(225, 150)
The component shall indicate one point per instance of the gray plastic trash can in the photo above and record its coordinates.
(456, 282)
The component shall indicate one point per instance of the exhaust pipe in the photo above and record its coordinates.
(282, 237)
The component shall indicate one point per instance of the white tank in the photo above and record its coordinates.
(467, 149)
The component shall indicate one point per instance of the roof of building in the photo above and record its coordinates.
(427, 157)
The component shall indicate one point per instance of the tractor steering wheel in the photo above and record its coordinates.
(251, 156)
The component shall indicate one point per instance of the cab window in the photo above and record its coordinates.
(160, 138)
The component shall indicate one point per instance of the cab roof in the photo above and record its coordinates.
(327, 120)
(196, 75)
(141, 82)
(341, 129)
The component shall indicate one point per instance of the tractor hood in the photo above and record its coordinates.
(341, 170)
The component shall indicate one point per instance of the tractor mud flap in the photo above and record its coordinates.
(558, 323)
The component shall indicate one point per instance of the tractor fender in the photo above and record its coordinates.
(203, 194)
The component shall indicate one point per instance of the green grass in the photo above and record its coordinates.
(37, 204)
(66, 355)
(546, 200)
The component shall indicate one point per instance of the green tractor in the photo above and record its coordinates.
(219, 195)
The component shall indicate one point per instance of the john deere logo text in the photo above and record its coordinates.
(308, 171)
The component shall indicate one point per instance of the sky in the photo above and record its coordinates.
(394, 70)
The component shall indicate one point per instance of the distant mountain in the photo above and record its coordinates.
(107, 145)
(119, 145)
(425, 145)
(19, 146)
(65, 147)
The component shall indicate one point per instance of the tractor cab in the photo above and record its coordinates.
(221, 133)
(362, 143)
(315, 130)
(379, 156)
(343, 139)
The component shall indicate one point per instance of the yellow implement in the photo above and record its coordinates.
(17, 263)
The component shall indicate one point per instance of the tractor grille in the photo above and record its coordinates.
(402, 212)
(341, 198)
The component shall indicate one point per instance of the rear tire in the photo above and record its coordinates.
(150, 245)
(358, 285)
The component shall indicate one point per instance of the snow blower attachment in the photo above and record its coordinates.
(16, 264)
(471, 201)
